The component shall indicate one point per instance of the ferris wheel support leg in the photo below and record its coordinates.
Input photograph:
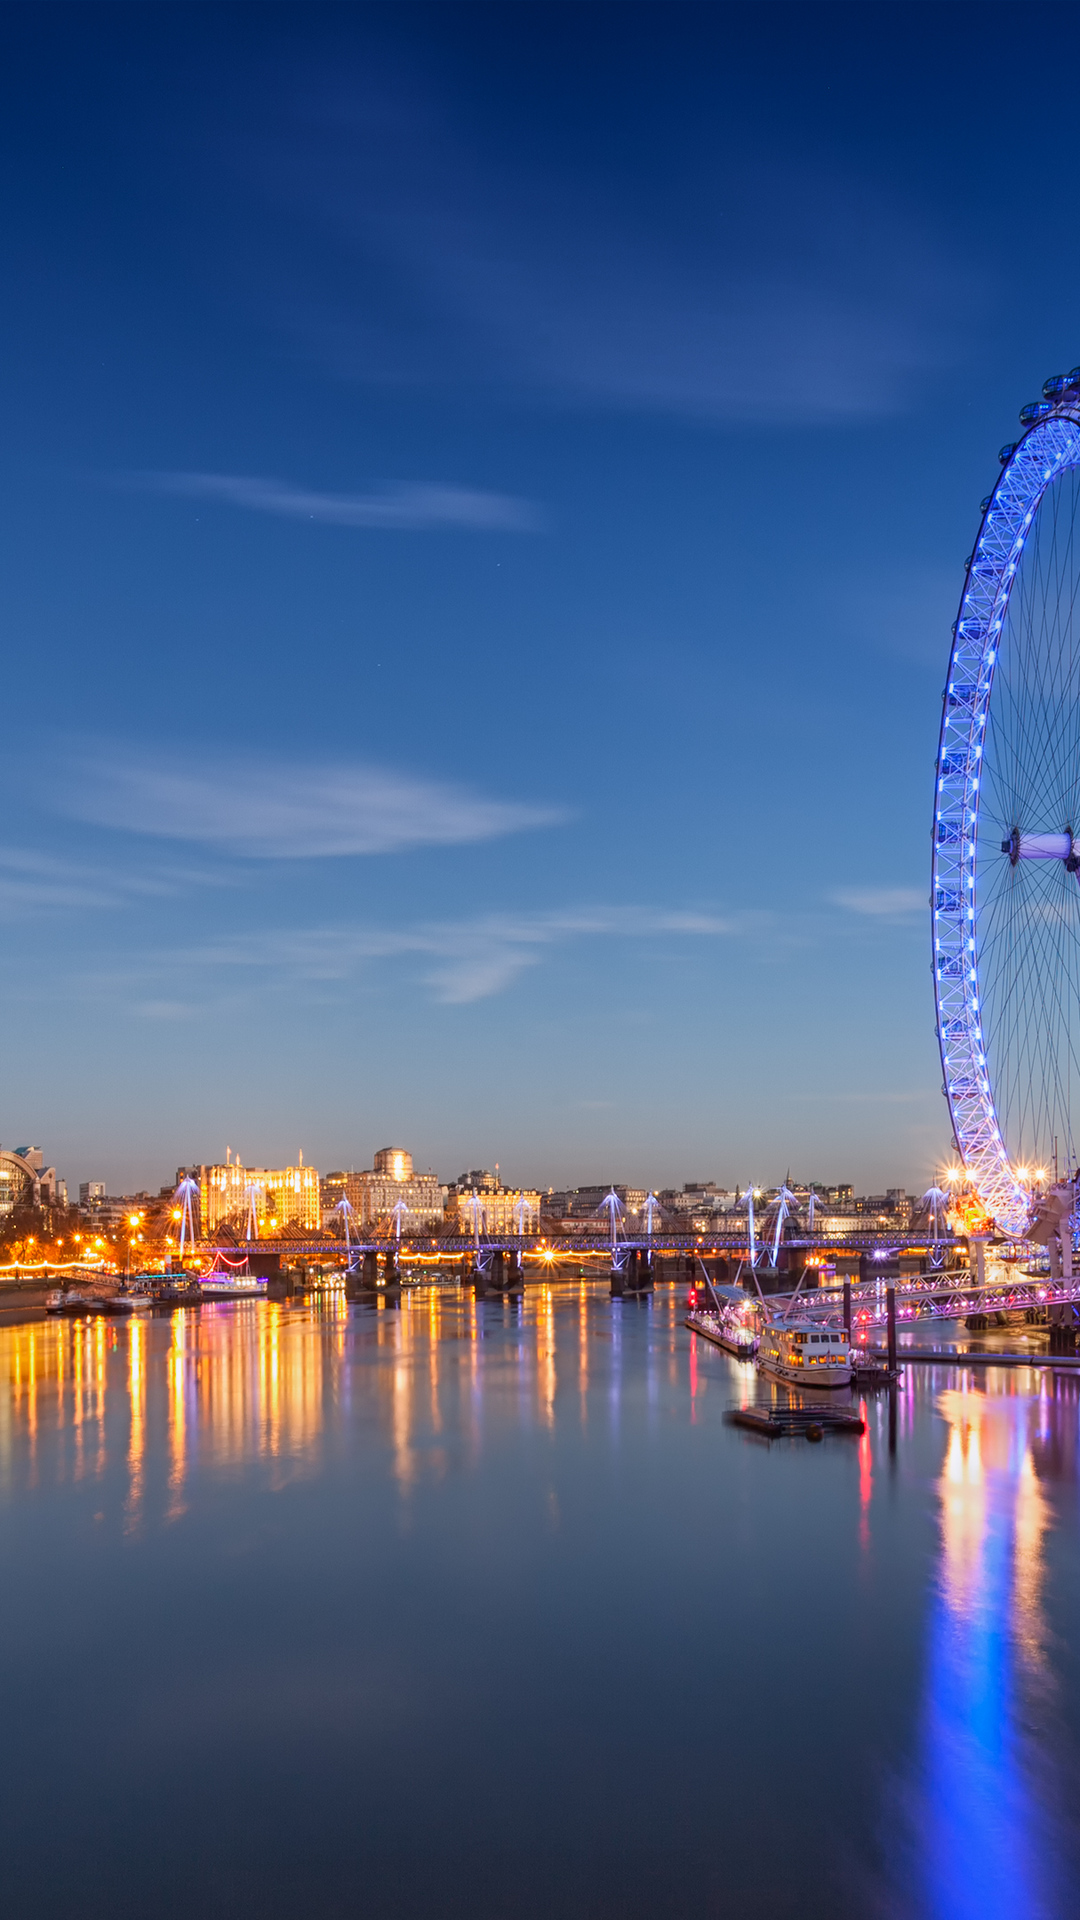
(1053, 1248)
(1066, 1250)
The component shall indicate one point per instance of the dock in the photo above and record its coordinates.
(942, 1357)
(783, 1422)
(722, 1340)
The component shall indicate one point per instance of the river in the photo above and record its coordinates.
(481, 1610)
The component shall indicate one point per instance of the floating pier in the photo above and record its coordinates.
(783, 1422)
(942, 1357)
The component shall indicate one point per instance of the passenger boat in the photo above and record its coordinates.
(223, 1285)
(804, 1353)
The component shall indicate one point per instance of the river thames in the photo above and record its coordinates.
(480, 1609)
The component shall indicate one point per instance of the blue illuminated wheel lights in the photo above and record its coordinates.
(1005, 898)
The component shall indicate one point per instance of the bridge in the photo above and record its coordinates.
(505, 1263)
(731, 1244)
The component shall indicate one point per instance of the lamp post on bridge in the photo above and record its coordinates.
(613, 1207)
(185, 1193)
(344, 1207)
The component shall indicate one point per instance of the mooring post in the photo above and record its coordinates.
(890, 1325)
(847, 1310)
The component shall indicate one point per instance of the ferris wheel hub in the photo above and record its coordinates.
(1039, 846)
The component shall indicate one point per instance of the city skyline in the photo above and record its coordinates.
(483, 576)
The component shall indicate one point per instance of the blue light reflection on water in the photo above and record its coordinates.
(481, 1607)
(994, 1838)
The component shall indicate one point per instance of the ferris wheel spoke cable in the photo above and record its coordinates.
(1054, 972)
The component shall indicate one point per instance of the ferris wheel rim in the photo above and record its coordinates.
(1047, 450)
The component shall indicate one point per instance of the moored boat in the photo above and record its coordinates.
(804, 1353)
(68, 1300)
(177, 1290)
(223, 1285)
(136, 1297)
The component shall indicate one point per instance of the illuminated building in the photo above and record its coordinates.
(25, 1180)
(479, 1201)
(277, 1197)
(390, 1181)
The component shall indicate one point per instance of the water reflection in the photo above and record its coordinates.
(992, 1832)
(221, 1384)
(562, 1463)
(231, 1384)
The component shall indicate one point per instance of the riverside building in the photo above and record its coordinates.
(478, 1200)
(25, 1180)
(373, 1195)
(581, 1209)
(277, 1197)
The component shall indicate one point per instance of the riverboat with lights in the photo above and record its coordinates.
(221, 1284)
(803, 1353)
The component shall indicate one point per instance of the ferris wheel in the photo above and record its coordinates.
(1006, 835)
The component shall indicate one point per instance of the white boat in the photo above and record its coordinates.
(135, 1298)
(68, 1300)
(223, 1285)
(804, 1353)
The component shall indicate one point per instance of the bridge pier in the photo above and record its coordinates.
(1062, 1330)
(364, 1278)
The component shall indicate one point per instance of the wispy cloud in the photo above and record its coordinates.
(881, 903)
(265, 810)
(417, 507)
(32, 883)
(467, 960)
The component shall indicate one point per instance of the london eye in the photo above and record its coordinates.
(1006, 833)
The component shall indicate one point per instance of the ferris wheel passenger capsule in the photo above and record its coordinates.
(1055, 386)
(1035, 410)
(1006, 452)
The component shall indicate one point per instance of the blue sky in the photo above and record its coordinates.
(485, 492)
